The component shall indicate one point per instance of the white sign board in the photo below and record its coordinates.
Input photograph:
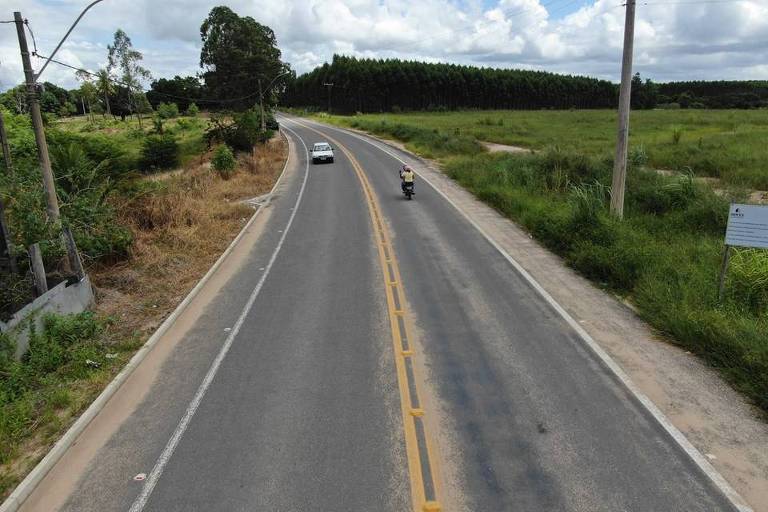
(747, 226)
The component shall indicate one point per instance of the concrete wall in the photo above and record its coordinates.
(61, 299)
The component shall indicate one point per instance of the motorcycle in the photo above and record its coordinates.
(408, 190)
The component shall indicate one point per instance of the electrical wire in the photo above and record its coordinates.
(32, 34)
(167, 95)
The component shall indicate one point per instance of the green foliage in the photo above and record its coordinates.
(729, 145)
(235, 46)
(182, 90)
(748, 279)
(193, 110)
(167, 110)
(16, 291)
(664, 256)
(378, 85)
(242, 133)
(32, 390)
(159, 152)
(429, 142)
(677, 134)
(224, 162)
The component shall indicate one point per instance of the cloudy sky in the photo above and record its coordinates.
(675, 39)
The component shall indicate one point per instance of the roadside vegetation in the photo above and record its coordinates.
(664, 258)
(146, 238)
(153, 192)
(725, 144)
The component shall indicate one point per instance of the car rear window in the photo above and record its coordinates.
(322, 147)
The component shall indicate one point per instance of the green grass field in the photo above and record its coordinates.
(189, 133)
(726, 144)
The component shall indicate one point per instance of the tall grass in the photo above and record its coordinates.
(725, 144)
(664, 256)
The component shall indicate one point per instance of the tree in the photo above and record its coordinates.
(123, 56)
(105, 87)
(237, 52)
(87, 92)
(645, 95)
(180, 90)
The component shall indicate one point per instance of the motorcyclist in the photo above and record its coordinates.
(406, 176)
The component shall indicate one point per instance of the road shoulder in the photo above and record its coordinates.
(718, 421)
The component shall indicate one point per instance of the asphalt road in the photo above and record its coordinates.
(298, 402)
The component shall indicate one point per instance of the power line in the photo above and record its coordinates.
(142, 89)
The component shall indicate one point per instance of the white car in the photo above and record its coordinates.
(321, 152)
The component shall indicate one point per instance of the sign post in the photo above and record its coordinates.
(747, 227)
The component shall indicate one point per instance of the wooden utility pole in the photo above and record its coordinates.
(622, 142)
(4, 144)
(38, 269)
(330, 87)
(52, 202)
(6, 245)
(261, 103)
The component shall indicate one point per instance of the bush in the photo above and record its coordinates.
(167, 110)
(192, 110)
(242, 133)
(748, 279)
(224, 162)
(159, 152)
(31, 390)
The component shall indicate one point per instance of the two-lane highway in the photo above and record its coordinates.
(377, 354)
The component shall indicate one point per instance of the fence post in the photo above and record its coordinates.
(74, 256)
(38, 270)
(723, 272)
(5, 241)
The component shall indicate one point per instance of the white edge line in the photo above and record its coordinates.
(170, 447)
(22, 491)
(717, 479)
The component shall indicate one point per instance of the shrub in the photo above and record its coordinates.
(167, 110)
(15, 293)
(192, 110)
(159, 152)
(224, 162)
(677, 134)
(638, 157)
(748, 279)
(242, 133)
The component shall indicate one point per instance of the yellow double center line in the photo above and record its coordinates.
(420, 448)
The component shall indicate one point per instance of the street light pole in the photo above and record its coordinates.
(261, 98)
(51, 201)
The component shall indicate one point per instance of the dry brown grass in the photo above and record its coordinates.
(180, 229)
(179, 232)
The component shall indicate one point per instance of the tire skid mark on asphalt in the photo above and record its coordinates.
(420, 447)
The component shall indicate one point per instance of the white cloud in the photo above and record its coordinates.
(673, 41)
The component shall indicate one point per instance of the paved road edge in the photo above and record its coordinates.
(22, 491)
(693, 453)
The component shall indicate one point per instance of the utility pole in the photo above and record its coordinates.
(4, 144)
(52, 202)
(622, 142)
(329, 86)
(261, 103)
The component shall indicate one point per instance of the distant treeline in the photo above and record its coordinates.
(387, 85)
(716, 94)
(373, 85)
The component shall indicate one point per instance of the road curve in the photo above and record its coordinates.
(286, 393)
